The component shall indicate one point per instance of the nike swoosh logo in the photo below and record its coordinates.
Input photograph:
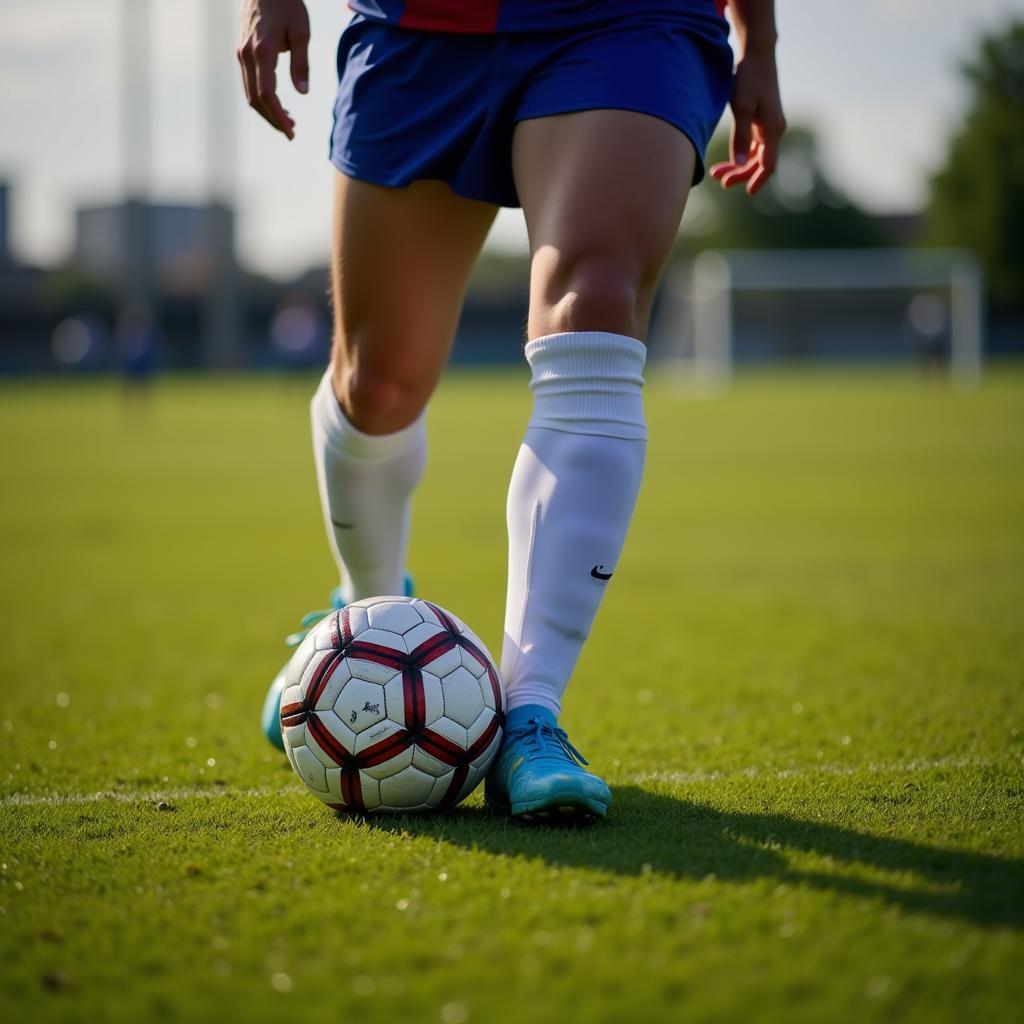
(342, 526)
(598, 575)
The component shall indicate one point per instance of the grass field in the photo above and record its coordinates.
(805, 688)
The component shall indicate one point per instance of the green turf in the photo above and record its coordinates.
(805, 688)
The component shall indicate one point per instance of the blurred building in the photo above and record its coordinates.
(5, 245)
(177, 262)
(182, 245)
(21, 299)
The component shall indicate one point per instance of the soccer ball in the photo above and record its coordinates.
(391, 704)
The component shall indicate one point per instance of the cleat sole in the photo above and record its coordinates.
(552, 809)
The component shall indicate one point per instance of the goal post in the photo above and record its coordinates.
(696, 332)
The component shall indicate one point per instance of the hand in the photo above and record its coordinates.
(758, 124)
(269, 27)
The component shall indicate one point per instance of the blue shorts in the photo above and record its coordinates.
(413, 104)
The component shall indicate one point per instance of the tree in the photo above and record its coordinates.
(977, 198)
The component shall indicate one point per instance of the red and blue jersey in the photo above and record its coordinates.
(490, 16)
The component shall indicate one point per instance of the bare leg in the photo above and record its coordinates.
(401, 261)
(603, 192)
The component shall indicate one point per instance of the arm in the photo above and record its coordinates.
(756, 105)
(269, 27)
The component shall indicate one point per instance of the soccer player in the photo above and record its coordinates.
(594, 117)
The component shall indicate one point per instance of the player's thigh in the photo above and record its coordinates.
(402, 257)
(603, 192)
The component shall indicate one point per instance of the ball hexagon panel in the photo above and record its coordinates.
(358, 620)
(392, 765)
(291, 695)
(487, 693)
(311, 770)
(394, 616)
(377, 734)
(463, 700)
(408, 787)
(323, 632)
(329, 738)
(440, 788)
(429, 764)
(444, 661)
(421, 635)
(371, 671)
(334, 786)
(471, 663)
(320, 634)
(369, 791)
(433, 697)
(314, 667)
(480, 725)
(360, 704)
(394, 699)
(294, 735)
(450, 730)
(427, 611)
(383, 638)
(336, 675)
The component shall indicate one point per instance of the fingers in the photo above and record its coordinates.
(731, 172)
(254, 88)
(757, 180)
(265, 57)
(743, 149)
(770, 128)
(758, 125)
(258, 61)
(248, 67)
(742, 134)
(760, 160)
(298, 43)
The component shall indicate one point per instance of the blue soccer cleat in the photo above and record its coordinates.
(270, 719)
(539, 773)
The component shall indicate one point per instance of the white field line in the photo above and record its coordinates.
(155, 796)
(171, 796)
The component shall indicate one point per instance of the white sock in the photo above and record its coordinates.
(366, 484)
(570, 501)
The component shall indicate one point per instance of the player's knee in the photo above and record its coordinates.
(593, 291)
(377, 399)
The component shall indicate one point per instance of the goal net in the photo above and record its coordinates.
(823, 305)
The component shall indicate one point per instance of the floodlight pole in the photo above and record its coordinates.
(221, 328)
(137, 277)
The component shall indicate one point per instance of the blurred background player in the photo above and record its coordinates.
(594, 118)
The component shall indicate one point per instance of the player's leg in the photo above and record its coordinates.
(603, 192)
(401, 261)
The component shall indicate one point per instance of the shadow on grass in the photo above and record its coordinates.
(654, 833)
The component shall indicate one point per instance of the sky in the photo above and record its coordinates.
(877, 79)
